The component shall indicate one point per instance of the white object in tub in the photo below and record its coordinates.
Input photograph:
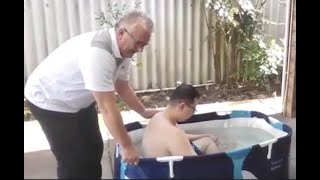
(170, 160)
(269, 143)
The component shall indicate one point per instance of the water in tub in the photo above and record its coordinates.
(230, 138)
(237, 137)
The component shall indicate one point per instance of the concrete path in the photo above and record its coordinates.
(39, 162)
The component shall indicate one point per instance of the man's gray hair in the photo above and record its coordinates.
(133, 16)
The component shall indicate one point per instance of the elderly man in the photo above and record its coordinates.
(162, 137)
(88, 69)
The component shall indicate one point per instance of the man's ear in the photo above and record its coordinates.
(181, 105)
(120, 32)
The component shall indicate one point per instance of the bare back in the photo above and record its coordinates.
(161, 138)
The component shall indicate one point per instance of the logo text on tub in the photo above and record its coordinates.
(276, 164)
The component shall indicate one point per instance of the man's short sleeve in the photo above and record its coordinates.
(97, 67)
(125, 70)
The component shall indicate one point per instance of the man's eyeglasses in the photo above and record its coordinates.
(191, 107)
(137, 43)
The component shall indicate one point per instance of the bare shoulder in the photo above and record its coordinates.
(157, 121)
(177, 134)
(157, 127)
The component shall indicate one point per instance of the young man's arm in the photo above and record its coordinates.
(193, 137)
(179, 144)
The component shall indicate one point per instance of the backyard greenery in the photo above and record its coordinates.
(243, 51)
(241, 45)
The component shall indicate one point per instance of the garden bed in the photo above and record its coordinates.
(209, 94)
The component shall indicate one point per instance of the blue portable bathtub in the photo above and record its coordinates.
(264, 160)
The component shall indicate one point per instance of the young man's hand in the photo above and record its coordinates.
(214, 138)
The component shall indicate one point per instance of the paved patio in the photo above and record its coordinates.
(39, 162)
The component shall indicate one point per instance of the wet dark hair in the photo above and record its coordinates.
(184, 92)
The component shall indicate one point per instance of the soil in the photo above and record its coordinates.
(209, 94)
(212, 94)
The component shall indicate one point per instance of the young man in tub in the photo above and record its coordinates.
(162, 137)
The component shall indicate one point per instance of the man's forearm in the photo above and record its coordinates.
(114, 123)
(131, 99)
(112, 118)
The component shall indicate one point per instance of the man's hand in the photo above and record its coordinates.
(130, 156)
(149, 113)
